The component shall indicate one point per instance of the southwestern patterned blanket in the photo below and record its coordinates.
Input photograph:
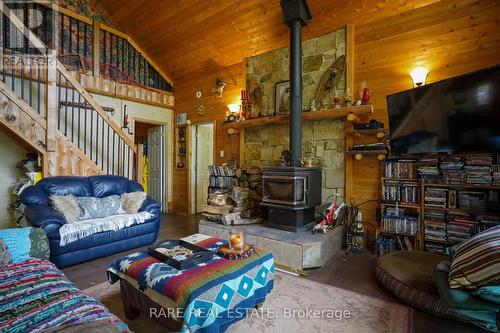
(213, 294)
(35, 296)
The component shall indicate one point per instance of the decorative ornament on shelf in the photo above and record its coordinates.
(126, 121)
(219, 88)
(365, 99)
(246, 105)
(336, 102)
(314, 105)
(419, 76)
(347, 97)
(200, 110)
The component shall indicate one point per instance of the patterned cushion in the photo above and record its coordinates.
(24, 243)
(39, 244)
(133, 201)
(18, 243)
(476, 261)
(5, 257)
(67, 206)
(94, 208)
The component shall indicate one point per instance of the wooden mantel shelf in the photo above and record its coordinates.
(361, 111)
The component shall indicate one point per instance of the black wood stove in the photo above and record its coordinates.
(291, 193)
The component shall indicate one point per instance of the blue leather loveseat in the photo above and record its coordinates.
(39, 213)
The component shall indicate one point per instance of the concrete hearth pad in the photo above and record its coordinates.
(295, 250)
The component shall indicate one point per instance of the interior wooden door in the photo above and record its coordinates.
(155, 163)
(204, 158)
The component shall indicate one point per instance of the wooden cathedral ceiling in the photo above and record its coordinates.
(186, 37)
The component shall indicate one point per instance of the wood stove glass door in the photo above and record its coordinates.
(285, 190)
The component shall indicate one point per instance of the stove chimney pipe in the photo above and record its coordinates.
(297, 14)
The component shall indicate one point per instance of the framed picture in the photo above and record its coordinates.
(181, 119)
(282, 97)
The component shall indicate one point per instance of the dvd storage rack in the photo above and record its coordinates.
(401, 208)
(458, 196)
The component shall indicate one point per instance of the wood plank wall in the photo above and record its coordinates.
(215, 111)
(449, 38)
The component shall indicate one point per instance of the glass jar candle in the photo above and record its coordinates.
(237, 239)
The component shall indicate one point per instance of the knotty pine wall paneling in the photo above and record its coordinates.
(215, 111)
(449, 38)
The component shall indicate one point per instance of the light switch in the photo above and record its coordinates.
(221, 153)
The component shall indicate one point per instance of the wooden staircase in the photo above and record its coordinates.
(43, 106)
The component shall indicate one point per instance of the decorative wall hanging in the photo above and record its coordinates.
(330, 78)
(219, 88)
(198, 94)
(256, 99)
(200, 110)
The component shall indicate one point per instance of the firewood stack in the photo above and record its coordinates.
(239, 204)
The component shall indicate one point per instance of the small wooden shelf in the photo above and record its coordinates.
(381, 231)
(401, 204)
(464, 210)
(466, 186)
(336, 113)
(444, 242)
(367, 131)
(416, 180)
(366, 152)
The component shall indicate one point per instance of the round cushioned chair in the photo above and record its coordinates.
(409, 275)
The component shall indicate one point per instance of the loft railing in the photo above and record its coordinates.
(116, 50)
(98, 45)
(60, 99)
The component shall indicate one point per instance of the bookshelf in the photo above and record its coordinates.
(458, 196)
(181, 147)
(400, 223)
(220, 179)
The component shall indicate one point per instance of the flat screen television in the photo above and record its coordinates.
(457, 115)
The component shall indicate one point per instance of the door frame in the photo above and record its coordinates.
(191, 158)
(166, 150)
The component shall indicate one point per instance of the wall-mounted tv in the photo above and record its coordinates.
(458, 115)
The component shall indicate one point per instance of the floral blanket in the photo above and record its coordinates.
(213, 294)
(35, 296)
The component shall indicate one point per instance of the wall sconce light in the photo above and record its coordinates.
(234, 108)
(419, 75)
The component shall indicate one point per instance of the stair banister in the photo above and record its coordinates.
(35, 41)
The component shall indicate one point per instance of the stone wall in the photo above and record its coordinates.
(323, 140)
(318, 55)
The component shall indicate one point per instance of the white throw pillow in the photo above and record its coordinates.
(67, 206)
(133, 201)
